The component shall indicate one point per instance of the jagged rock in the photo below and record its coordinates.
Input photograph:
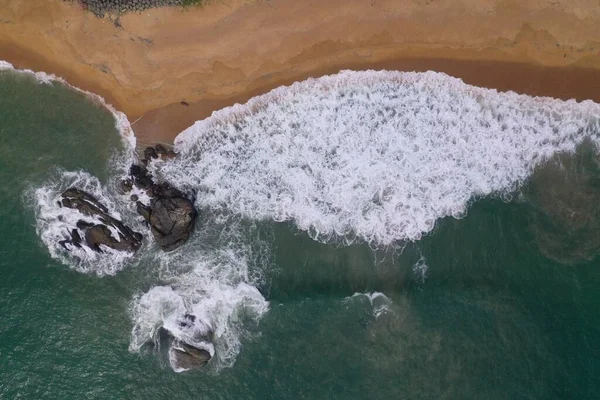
(160, 149)
(141, 178)
(186, 356)
(97, 234)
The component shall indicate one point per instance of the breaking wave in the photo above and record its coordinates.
(373, 156)
(379, 302)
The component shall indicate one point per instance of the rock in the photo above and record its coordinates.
(101, 235)
(141, 178)
(185, 356)
(172, 221)
(143, 210)
(126, 185)
(81, 224)
(97, 234)
(185, 103)
(160, 149)
(75, 238)
(150, 153)
(170, 155)
(134, 197)
(171, 215)
(77, 194)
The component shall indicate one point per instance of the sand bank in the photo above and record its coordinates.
(231, 50)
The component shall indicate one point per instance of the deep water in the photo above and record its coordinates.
(500, 304)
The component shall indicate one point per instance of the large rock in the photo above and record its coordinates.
(171, 217)
(185, 356)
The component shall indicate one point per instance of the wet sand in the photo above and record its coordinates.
(231, 50)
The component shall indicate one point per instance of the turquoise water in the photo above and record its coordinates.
(500, 304)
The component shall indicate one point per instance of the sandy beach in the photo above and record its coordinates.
(230, 50)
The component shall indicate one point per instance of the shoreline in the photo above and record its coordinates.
(163, 57)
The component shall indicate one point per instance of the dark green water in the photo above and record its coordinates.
(508, 308)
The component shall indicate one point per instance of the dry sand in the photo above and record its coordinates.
(230, 50)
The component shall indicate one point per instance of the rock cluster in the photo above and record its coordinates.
(171, 214)
(95, 235)
(101, 7)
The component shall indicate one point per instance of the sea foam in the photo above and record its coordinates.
(373, 156)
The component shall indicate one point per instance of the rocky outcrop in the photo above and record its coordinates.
(170, 214)
(95, 235)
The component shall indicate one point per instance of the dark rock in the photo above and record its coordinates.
(143, 210)
(160, 149)
(170, 155)
(150, 153)
(74, 193)
(172, 221)
(141, 178)
(101, 235)
(126, 185)
(76, 238)
(64, 243)
(185, 103)
(189, 357)
(81, 224)
(97, 234)
(134, 197)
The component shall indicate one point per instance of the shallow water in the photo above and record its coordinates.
(501, 303)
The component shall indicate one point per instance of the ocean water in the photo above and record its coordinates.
(365, 235)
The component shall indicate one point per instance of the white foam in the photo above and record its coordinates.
(54, 223)
(379, 302)
(121, 122)
(212, 284)
(376, 155)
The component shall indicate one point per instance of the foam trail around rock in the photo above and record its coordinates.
(215, 285)
(373, 156)
(53, 223)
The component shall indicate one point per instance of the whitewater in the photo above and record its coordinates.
(376, 157)
(373, 156)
